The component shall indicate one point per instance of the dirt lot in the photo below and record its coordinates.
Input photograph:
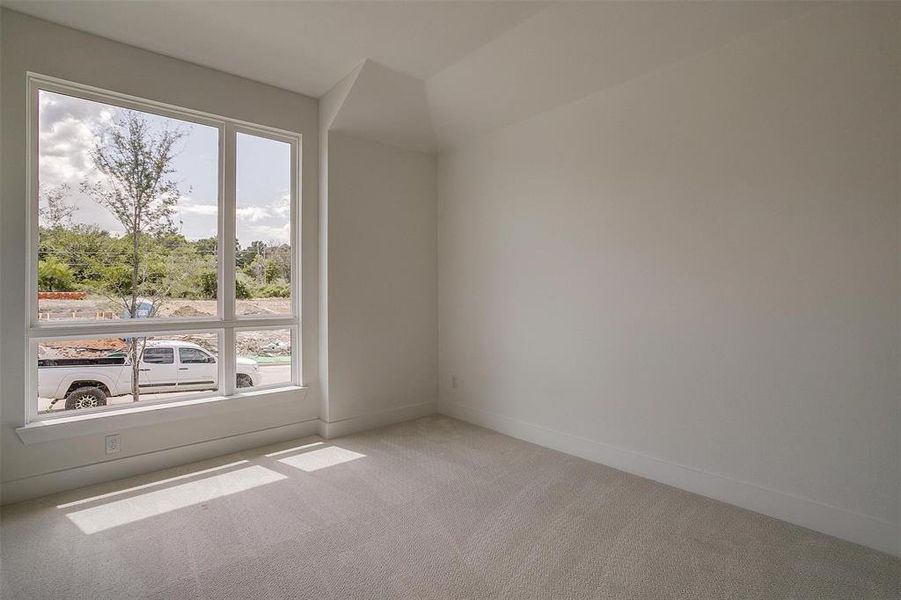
(266, 346)
(98, 307)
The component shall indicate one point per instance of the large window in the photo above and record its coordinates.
(164, 252)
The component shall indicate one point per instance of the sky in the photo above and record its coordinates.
(69, 128)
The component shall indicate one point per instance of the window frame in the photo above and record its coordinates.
(226, 320)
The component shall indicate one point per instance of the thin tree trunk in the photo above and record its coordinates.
(135, 355)
(135, 370)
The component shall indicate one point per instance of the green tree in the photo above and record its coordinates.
(138, 188)
(276, 289)
(207, 246)
(243, 287)
(55, 275)
(271, 270)
(79, 246)
(208, 283)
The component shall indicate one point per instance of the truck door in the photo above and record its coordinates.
(197, 370)
(159, 373)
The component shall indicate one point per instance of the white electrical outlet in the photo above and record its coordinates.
(113, 443)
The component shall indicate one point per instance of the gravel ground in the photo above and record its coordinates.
(94, 307)
(264, 345)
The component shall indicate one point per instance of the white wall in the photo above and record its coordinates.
(33, 45)
(694, 275)
(381, 292)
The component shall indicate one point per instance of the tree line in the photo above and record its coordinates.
(82, 257)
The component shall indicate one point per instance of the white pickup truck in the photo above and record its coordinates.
(167, 366)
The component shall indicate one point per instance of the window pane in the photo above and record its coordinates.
(125, 234)
(263, 226)
(89, 373)
(159, 356)
(264, 357)
(194, 356)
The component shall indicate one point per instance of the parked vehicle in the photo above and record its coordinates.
(166, 366)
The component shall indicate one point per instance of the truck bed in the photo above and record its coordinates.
(103, 361)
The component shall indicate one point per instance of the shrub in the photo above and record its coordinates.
(277, 289)
(208, 280)
(55, 276)
(243, 286)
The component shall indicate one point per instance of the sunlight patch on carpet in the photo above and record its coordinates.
(322, 458)
(158, 502)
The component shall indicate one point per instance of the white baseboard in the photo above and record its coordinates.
(50, 483)
(333, 429)
(845, 524)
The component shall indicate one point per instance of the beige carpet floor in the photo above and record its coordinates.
(433, 508)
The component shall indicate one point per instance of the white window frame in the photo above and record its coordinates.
(226, 321)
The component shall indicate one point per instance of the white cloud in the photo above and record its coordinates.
(253, 213)
(68, 129)
(65, 152)
(270, 233)
(282, 208)
(268, 221)
(186, 207)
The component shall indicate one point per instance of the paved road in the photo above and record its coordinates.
(275, 374)
(270, 374)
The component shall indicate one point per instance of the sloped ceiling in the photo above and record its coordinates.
(425, 75)
(570, 50)
(300, 46)
(557, 55)
(388, 106)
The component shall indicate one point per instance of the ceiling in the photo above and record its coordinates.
(425, 74)
(572, 49)
(305, 47)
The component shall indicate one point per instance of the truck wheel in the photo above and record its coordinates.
(244, 381)
(85, 397)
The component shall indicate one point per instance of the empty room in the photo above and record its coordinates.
(450, 300)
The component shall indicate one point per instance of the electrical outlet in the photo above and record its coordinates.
(113, 443)
(453, 382)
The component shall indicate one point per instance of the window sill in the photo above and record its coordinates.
(73, 426)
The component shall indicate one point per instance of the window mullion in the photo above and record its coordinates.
(227, 258)
(227, 223)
